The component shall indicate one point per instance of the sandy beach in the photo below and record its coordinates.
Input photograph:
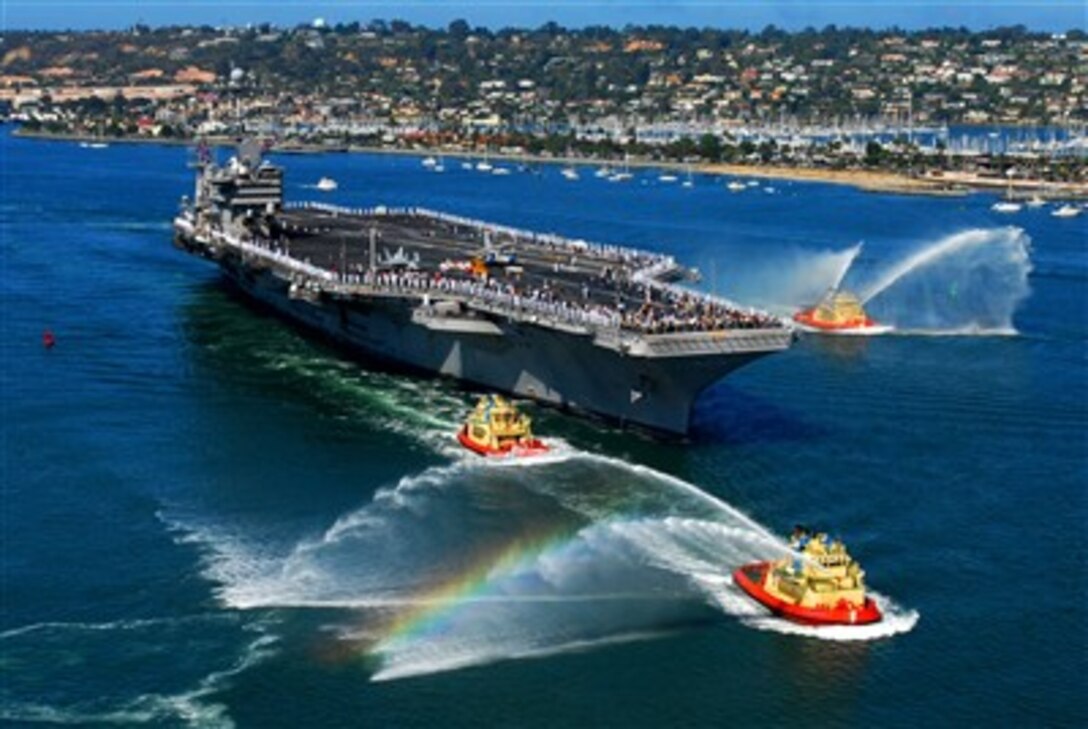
(872, 180)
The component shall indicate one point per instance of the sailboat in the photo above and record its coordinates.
(1036, 201)
(1008, 205)
(569, 173)
(689, 182)
(483, 165)
(1066, 211)
(622, 176)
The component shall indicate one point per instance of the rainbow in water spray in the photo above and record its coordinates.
(432, 609)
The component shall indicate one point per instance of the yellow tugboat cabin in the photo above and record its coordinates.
(826, 577)
(842, 308)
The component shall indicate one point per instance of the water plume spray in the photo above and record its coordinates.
(968, 282)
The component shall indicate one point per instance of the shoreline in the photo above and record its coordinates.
(947, 184)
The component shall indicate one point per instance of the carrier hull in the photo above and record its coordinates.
(565, 370)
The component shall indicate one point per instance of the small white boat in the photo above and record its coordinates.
(569, 173)
(667, 178)
(327, 184)
(603, 172)
(1036, 202)
(753, 183)
(623, 176)
(466, 165)
(429, 162)
(484, 165)
(1009, 204)
(93, 145)
(769, 190)
(1066, 211)
(499, 170)
(736, 186)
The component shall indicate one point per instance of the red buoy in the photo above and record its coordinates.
(48, 340)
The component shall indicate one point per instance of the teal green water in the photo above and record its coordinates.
(211, 519)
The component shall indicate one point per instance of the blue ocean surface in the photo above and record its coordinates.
(212, 519)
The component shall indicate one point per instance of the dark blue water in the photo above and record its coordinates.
(210, 519)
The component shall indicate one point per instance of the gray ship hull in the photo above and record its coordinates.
(564, 369)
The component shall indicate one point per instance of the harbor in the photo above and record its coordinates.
(956, 174)
(536, 365)
(301, 531)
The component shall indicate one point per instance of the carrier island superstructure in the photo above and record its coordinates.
(587, 327)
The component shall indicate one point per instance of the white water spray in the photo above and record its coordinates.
(625, 553)
(630, 552)
(968, 283)
(795, 278)
(1013, 242)
(848, 260)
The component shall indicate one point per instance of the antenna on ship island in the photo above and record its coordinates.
(249, 154)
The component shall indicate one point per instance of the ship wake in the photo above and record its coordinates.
(207, 652)
(279, 363)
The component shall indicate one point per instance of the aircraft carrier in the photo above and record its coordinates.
(588, 327)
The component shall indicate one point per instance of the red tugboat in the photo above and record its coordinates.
(822, 586)
(496, 428)
(839, 312)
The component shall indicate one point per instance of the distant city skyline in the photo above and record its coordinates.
(1053, 16)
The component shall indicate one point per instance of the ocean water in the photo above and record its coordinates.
(210, 519)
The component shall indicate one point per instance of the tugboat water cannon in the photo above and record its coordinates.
(821, 585)
(839, 312)
(496, 428)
